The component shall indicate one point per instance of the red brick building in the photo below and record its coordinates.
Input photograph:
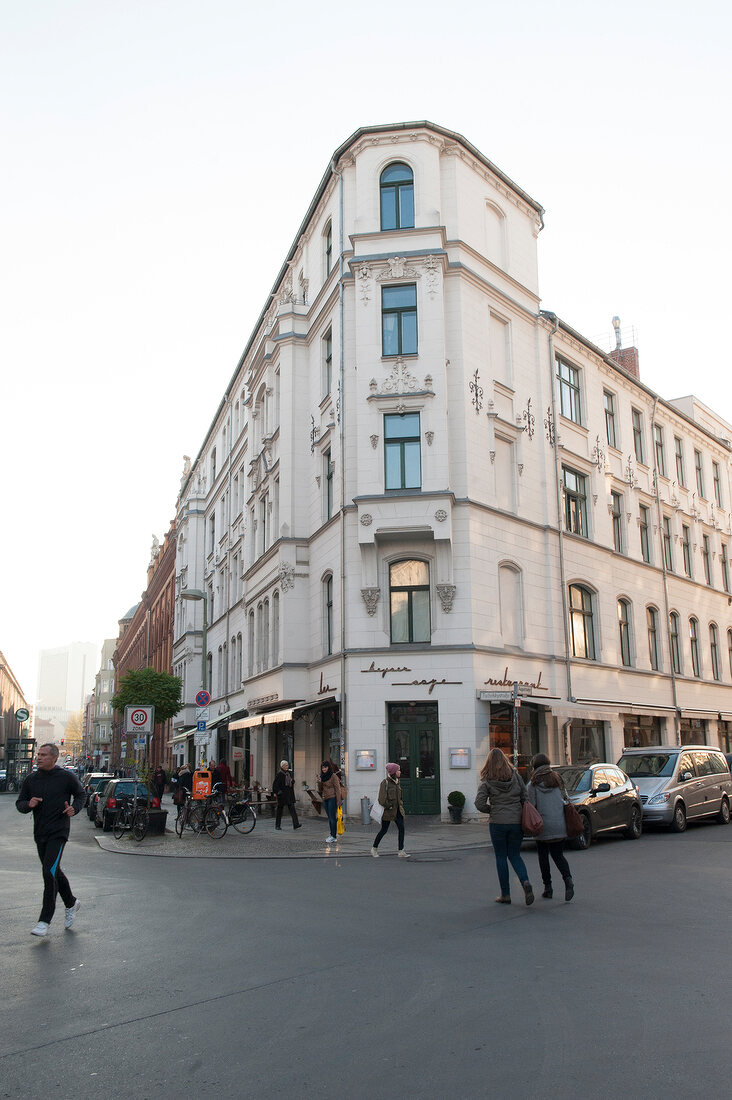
(146, 640)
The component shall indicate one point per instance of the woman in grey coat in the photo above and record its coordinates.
(546, 792)
(502, 795)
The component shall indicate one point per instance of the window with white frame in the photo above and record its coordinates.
(327, 485)
(714, 651)
(328, 248)
(717, 482)
(668, 556)
(582, 624)
(644, 522)
(659, 447)
(694, 646)
(327, 355)
(686, 548)
(399, 320)
(575, 502)
(637, 418)
(616, 511)
(409, 601)
(679, 453)
(275, 627)
(402, 453)
(396, 187)
(570, 399)
(652, 624)
(698, 467)
(707, 559)
(673, 624)
(624, 631)
(250, 643)
(610, 426)
(328, 614)
(725, 567)
(511, 604)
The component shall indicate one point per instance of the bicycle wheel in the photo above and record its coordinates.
(120, 823)
(195, 819)
(243, 818)
(215, 822)
(139, 824)
(180, 821)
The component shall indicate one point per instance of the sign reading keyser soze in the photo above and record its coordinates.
(139, 719)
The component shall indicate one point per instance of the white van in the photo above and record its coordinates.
(680, 784)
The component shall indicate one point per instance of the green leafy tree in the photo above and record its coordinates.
(146, 687)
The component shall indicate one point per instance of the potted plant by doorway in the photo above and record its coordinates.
(455, 803)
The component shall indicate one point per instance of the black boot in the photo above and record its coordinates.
(548, 892)
(568, 889)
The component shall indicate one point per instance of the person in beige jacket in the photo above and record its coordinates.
(331, 791)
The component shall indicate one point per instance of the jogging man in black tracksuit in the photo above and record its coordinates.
(54, 795)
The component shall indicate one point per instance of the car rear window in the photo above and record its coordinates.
(648, 765)
(127, 790)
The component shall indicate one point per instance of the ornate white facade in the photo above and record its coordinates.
(419, 489)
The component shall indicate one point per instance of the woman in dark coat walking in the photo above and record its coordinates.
(502, 795)
(157, 783)
(390, 797)
(546, 792)
(284, 788)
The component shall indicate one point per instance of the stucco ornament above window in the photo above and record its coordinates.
(366, 519)
(400, 380)
(446, 592)
(440, 515)
(371, 599)
(398, 268)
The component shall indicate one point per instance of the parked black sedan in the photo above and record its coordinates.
(605, 798)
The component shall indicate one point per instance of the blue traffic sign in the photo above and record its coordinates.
(203, 698)
(200, 726)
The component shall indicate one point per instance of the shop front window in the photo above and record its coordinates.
(640, 731)
(587, 741)
(501, 735)
(693, 731)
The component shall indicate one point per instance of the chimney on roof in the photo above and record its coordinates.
(627, 358)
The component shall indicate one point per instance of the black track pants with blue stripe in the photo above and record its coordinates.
(54, 880)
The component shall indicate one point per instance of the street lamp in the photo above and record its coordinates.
(197, 594)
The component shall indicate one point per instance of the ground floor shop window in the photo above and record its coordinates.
(694, 731)
(587, 742)
(725, 736)
(284, 745)
(331, 736)
(501, 735)
(641, 730)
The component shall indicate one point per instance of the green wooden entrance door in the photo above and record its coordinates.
(414, 746)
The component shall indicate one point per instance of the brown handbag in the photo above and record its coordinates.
(532, 822)
(572, 821)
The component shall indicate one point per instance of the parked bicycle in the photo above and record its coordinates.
(240, 814)
(133, 818)
(201, 814)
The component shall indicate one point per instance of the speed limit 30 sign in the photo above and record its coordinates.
(139, 719)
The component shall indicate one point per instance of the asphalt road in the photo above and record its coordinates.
(368, 978)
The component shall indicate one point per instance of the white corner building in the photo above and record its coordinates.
(429, 517)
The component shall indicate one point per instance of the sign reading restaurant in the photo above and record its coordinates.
(508, 682)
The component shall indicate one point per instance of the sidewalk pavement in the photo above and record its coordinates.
(422, 835)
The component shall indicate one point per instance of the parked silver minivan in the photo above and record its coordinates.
(677, 784)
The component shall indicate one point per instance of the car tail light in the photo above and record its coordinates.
(111, 803)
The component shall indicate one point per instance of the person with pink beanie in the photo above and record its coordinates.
(390, 797)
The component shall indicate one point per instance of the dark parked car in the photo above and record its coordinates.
(94, 783)
(112, 796)
(605, 798)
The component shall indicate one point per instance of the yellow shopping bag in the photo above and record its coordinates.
(340, 828)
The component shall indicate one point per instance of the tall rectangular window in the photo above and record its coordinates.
(328, 597)
(725, 567)
(714, 651)
(686, 548)
(652, 620)
(609, 401)
(409, 598)
(679, 453)
(694, 645)
(399, 320)
(707, 559)
(211, 534)
(658, 444)
(328, 248)
(402, 461)
(638, 435)
(675, 647)
(327, 350)
(617, 516)
(717, 483)
(667, 547)
(645, 542)
(624, 631)
(570, 401)
(575, 502)
(699, 473)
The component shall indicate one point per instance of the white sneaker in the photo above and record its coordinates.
(330, 840)
(40, 929)
(374, 853)
(403, 854)
(71, 914)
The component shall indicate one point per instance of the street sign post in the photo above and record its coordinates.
(203, 698)
(203, 714)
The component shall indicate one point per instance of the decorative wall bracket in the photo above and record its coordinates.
(287, 576)
(549, 426)
(529, 420)
(598, 455)
(446, 593)
(374, 441)
(314, 434)
(370, 598)
(477, 392)
(429, 436)
(630, 477)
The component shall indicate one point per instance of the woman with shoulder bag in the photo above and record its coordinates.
(546, 792)
(502, 794)
(390, 797)
(330, 790)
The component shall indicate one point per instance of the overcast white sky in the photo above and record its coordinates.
(159, 156)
